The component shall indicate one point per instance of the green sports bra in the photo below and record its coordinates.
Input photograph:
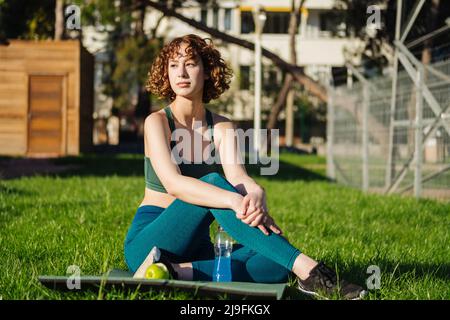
(195, 170)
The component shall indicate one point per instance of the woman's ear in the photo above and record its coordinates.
(206, 76)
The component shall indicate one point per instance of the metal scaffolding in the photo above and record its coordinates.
(392, 134)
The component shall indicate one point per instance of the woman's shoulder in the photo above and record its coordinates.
(155, 118)
(222, 125)
(221, 121)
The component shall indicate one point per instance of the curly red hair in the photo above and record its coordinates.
(218, 73)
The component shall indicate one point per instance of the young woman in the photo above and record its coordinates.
(182, 199)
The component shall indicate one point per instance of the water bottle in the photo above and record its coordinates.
(223, 246)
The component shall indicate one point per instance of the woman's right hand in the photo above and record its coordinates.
(237, 204)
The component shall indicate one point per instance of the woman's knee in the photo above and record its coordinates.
(213, 178)
(218, 180)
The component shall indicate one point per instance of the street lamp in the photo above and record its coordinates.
(259, 17)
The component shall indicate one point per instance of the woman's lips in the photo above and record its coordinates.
(183, 84)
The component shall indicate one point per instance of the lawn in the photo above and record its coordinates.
(49, 222)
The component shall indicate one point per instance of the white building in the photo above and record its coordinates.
(318, 50)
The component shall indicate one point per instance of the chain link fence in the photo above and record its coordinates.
(380, 144)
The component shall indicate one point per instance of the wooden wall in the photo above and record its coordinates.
(44, 109)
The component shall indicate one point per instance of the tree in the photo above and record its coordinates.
(287, 83)
(129, 49)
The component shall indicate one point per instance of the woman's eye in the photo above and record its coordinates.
(173, 65)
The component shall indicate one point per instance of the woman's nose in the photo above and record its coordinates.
(182, 73)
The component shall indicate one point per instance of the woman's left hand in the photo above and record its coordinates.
(268, 222)
(256, 213)
(254, 204)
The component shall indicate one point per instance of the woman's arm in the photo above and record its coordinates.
(188, 189)
(254, 202)
(232, 164)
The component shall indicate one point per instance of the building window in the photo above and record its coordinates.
(204, 16)
(276, 23)
(244, 77)
(247, 23)
(271, 80)
(227, 19)
(325, 21)
(216, 18)
(332, 23)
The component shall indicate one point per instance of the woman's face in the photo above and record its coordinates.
(186, 74)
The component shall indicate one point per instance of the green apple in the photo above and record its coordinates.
(157, 271)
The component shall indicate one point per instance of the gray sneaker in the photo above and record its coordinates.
(322, 282)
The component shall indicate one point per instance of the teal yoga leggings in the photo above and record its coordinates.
(181, 231)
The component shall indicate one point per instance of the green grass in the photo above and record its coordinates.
(81, 217)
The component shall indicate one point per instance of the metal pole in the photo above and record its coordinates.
(258, 57)
(436, 122)
(331, 172)
(414, 13)
(427, 178)
(389, 165)
(289, 133)
(365, 138)
(349, 78)
(418, 133)
(407, 60)
(257, 115)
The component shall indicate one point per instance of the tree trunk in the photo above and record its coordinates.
(281, 100)
(282, 96)
(293, 26)
(141, 7)
(59, 19)
(288, 79)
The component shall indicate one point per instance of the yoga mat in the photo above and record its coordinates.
(124, 279)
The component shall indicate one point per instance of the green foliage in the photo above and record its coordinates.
(22, 19)
(129, 51)
(133, 58)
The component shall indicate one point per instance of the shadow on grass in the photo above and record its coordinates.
(101, 165)
(287, 172)
(133, 165)
(7, 190)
